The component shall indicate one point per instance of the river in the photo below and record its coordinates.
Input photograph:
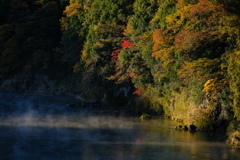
(45, 128)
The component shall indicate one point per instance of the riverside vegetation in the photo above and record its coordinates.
(176, 58)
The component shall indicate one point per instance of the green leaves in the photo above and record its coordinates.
(165, 8)
(233, 72)
(172, 52)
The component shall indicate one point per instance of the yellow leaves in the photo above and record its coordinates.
(98, 45)
(191, 29)
(156, 18)
(229, 24)
(164, 54)
(234, 60)
(195, 16)
(237, 53)
(197, 70)
(64, 23)
(213, 87)
(233, 69)
(210, 86)
(95, 27)
(73, 10)
(129, 29)
(179, 18)
(182, 3)
(84, 54)
(170, 19)
(85, 7)
(121, 78)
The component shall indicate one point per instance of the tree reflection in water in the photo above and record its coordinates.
(52, 131)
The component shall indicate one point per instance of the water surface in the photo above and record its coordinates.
(44, 128)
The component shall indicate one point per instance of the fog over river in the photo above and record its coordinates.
(45, 128)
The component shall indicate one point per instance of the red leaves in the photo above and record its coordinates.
(115, 55)
(138, 91)
(126, 43)
(131, 75)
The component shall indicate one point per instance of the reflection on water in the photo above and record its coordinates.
(44, 128)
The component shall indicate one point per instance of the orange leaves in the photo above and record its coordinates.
(205, 9)
(158, 39)
(187, 39)
(206, 13)
(160, 45)
(131, 75)
(202, 8)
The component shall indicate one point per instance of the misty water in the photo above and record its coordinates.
(45, 128)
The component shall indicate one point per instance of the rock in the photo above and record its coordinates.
(192, 128)
(182, 128)
(145, 117)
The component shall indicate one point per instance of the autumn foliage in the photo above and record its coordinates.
(138, 91)
(115, 55)
(126, 43)
(180, 55)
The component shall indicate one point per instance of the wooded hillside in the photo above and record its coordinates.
(179, 58)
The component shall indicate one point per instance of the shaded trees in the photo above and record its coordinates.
(29, 33)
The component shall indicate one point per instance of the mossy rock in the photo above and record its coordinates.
(186, 128)
(182, 128)
(144, 117)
